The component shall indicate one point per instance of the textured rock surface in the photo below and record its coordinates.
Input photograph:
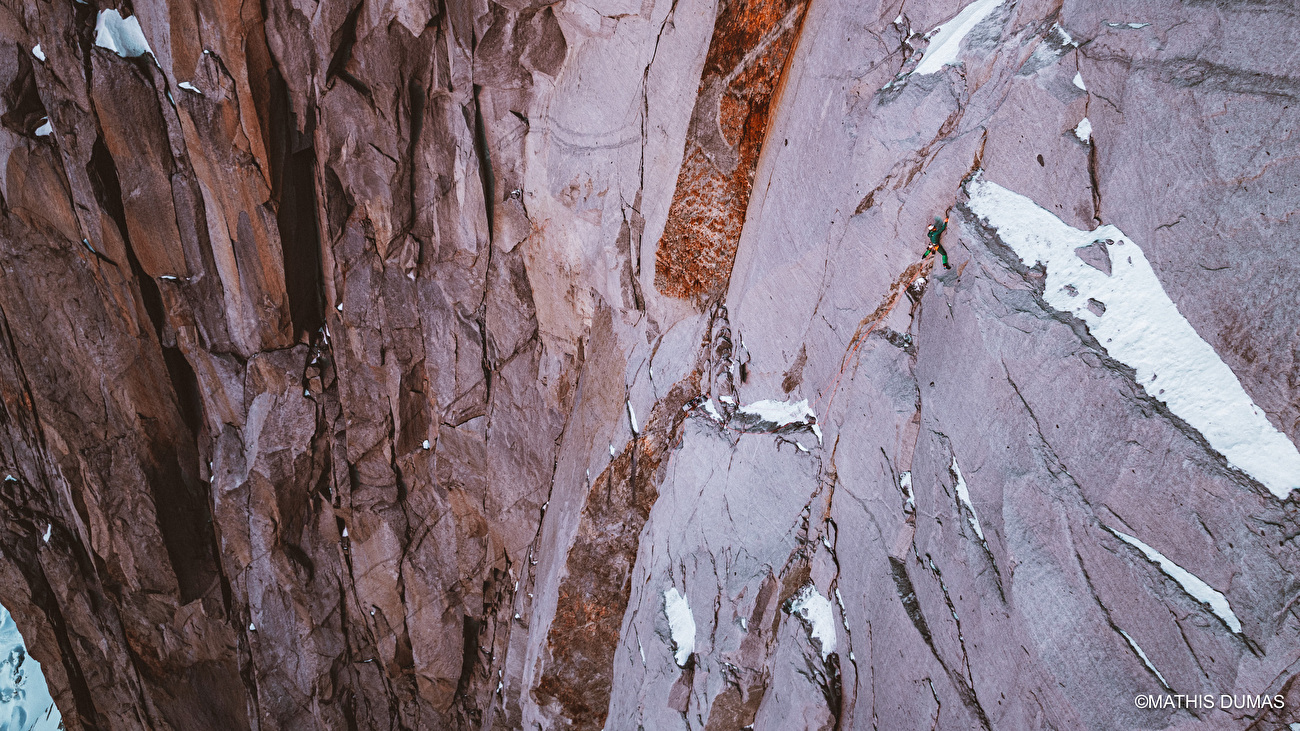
(385, 364)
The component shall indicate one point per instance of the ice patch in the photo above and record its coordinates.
(905, 483)
(122, 36)
(38, 53)
(1084, 131)
(1140, 326)
(816, 611)
(1078, 81)
(681, 624)
(187, 86)
(945, 40)
(1195, 588)
(1132, 643)
(782, 414)
(25, 701)
(963, 494)
(45, 129)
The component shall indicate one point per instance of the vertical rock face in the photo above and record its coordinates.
(499, 365)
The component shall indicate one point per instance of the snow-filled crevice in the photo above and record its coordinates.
(1190, 583)
(945, 40)
(1143, 657)
(909, 497)
(1135, 321)
(963, 494)
(818, 615)
(681, 625)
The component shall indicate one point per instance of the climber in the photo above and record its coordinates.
(934, 231)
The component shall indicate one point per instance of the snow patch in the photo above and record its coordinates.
(905, 483)
(187, 86)
(45, 129)
(1147, 661)
(1195, 588)
(49, 528)
(122, 36)
(1141, 327)
(816, 611)
(425, 444)
(782, 414)
(1084, 131)
(631, 419)
(38, 53)
(1078, 81)
(712, 410)
(681, 624)
(25, 701)
(963, 494)
(1063, 36)
(945, 40)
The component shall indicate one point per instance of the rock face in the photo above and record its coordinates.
(503, 365)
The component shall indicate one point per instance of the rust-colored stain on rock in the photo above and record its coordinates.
(752, 40)
(594, 593)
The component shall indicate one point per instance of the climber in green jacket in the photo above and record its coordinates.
(934, 232)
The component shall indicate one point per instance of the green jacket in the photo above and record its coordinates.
(936, 230)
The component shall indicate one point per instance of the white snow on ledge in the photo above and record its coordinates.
(1132, 317)
(1084, 131)
(122, 36)
(945, 40)
(815, 609)
(963, 494)
(783, 414)
(681, 623)
(1195, 588)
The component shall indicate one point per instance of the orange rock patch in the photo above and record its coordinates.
(752, 40)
